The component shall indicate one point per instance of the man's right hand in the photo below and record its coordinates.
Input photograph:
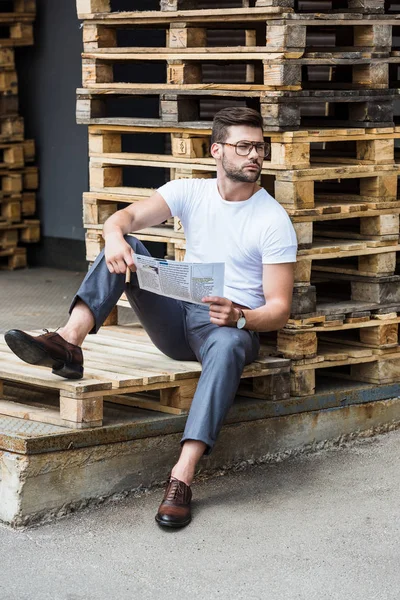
(118, 254)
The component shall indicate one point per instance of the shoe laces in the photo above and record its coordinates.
(48, 331)
(176, 488)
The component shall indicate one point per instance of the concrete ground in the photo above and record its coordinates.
(320, 526)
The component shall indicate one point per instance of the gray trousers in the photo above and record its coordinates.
(182, 331)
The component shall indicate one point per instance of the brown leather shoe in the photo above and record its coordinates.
(47, 350)
(174, 510)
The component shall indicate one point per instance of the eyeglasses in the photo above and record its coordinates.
(244, 148)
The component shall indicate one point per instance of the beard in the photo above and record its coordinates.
(235, 173)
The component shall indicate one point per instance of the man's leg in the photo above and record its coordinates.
(163, 318)
(223, 353)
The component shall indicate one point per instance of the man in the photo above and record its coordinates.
(229, 219)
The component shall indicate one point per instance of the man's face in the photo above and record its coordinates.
(246, 169)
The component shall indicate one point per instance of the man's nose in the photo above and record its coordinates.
(253, 152)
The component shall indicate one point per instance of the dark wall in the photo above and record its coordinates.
(49, 73)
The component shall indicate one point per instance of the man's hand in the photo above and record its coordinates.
(118, 254)
(222, 311)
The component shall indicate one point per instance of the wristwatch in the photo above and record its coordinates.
(241, 322)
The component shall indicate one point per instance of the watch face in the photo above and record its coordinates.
(241, 323)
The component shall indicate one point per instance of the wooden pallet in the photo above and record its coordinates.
(13, 258)
(379, 335)
(23, 11)
(122, 366)
(12, 233)
(191, 109)
(288, 150)
(14, 208)
(293, 188)
(353, 6)
(236, 71)
(12, 129)
(347, 362)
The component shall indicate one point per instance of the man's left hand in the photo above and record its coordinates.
(222, 311)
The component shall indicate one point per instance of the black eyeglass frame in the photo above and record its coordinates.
(266, 145)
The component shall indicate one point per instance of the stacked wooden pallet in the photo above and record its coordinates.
(18, 178)
(324, 76)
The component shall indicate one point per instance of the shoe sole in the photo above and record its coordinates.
(172, 525)
(32, 353)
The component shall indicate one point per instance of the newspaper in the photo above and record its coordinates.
(184, 281)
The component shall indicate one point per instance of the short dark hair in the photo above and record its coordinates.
(228, 117)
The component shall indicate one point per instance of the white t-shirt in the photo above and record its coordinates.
(244, 235)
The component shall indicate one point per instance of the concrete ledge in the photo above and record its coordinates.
(73, 478)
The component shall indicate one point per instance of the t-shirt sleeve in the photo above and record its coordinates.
(176, 194)
(279, 243)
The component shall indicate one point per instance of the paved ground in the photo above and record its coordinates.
(39, 297)
(319, 527)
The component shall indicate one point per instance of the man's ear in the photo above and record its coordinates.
(216, 150)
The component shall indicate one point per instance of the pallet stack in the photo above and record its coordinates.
(324, 76)
(18, 178)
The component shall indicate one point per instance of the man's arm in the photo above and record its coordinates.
(278, 289)
(139, 215)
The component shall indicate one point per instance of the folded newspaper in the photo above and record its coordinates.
(184, 281)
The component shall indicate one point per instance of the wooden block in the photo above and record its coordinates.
(94, 71)
(377, 292)
(298, 194)
(293, 155)
(22, 32)
(375, 112)
(272, 387)
(293, 344)
(96, 213)
(81, 410)
(92, 6)
(11, 210)
(281, 37)
(382, 335)
(190, 174)
(280, 115)
(378, 264)
(186, 37)
(381, 371)
(374, 75)
(304, 301)
(376, 151)
(179, 397)
(28, 204)
(183, 73)
(103, 177)
(381, 225)
(304, 234)
(31, 233)
(14, 156)
(8, 82)
(383, 187)
(8, 238)
(18, 260)
(302, 383)
(12, 183)
(107, 142)
(373, 36)
(30, 178)
(282, 74)
(190, 147)
(97, 36)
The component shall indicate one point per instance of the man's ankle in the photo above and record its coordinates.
(185, 474)
(70, 336)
